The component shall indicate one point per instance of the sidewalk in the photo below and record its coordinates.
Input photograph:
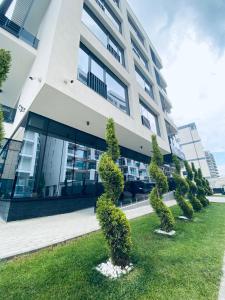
(21, 237)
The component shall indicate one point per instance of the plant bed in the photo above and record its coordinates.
(111, 271)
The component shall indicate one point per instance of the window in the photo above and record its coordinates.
(117, 2)
(104, 6)
(145, 84)
(149, 118)
(155, 59)
(165, 106)
(96, 27)
(137, 31)
(138, 53)
(161, 82)
(97, 76)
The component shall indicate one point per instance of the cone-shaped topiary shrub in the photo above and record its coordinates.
(200, 188)
(116, 230)
(113, 221)
(181, 190)
(161, 187)
(196, 204)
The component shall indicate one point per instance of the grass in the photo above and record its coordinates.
(187, 266)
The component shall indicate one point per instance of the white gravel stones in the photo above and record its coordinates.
(170, 233)
(111, 271)
(184, 218)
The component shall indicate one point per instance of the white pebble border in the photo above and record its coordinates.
(111, 271)
(170, 233)
(184, 218)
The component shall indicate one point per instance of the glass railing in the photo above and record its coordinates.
(18, 31)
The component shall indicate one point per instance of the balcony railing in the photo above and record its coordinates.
(17, 31)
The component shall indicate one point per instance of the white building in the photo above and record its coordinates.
(192, 147)
(214, 173)
(74, 65)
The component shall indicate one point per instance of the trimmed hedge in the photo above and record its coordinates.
(201, 192)
(196, 204)
(113, 221)
(181, 190)
(164, 213)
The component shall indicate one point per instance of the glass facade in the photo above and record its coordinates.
(98, 77)
(96, 27)
(49, 159)
(108, 11)
(144, 83)
(136, 30)
(139, 54)
(149, 118)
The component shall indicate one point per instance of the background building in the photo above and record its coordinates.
(74, 65)
(214, 173)
(192, 147)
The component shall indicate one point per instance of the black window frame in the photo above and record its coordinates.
(105, 69)
(107, 33)
(139, 54)
(147, 82)
(136, 29)
(158, 132)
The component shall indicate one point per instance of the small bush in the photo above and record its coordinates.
(161, 187)
(113, 221)
(181, 190)
(163, 212)
(116, 229)
(196, 204)
(111, 176)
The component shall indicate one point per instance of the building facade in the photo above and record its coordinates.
(192, 147)
(214, 173)
(74, 65)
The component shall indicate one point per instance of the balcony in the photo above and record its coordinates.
(18, 31)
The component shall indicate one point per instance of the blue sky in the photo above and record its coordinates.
(190, 38)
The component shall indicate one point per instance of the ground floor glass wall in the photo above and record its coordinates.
(49, 159)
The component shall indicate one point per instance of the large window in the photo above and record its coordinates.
(98, 77)
(54, 160)
(139, 54)
(155, 59)
(94, 25)
(136, 30)
(149, 118)
(161, 82)
(105, 7)
(145, 84)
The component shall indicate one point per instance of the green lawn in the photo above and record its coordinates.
(187, 266)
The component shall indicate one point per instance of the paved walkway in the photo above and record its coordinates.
(21, 237)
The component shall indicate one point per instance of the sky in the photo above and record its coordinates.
(189, 36)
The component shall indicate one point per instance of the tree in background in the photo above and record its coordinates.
(5, 63)
(161, 187)
(196, 204)
(201, 193)
(113, 221)
(182, 189)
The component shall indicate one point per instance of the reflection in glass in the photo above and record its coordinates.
(149, 119)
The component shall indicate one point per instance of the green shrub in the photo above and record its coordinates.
(182, 189)
(196, 204)
(201, 192)
(111, 176)
(161, 187)
(111, 140)
(5, 63)
(116, 229)
(112, 220)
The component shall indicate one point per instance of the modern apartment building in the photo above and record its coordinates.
(214, 173)
(74, 65)
(192, 147)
